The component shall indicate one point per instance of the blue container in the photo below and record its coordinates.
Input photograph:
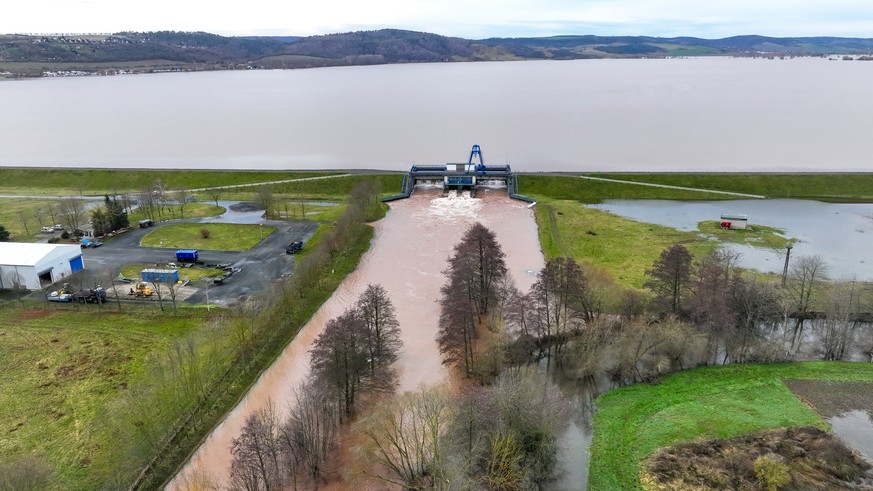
(160, 275)
(186, 255)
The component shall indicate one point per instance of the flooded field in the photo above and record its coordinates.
(409, 252)
(837, 232)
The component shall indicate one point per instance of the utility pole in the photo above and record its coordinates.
(785, 271)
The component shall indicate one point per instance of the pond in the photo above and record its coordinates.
(836, 232)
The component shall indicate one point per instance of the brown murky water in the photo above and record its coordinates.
(407, 256)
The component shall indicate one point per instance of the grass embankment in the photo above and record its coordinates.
(62, 369)
(222, 236)
(335, 189)
(73, 182)
(190, 274)
(834, 187)
(588, 191)
(712, 402)
(191, 210)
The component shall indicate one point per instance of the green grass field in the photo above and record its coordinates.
(223, 236)
(12, 210)
(623, 247)
(712, 402)
(190, 274)
(61, 371)
(191, 210)
(74, 182)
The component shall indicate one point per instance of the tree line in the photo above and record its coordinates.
(354, 354)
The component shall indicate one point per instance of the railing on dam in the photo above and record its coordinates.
(454, 181)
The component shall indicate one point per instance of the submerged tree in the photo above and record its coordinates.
(357, 349)
(257, 455)
(560, 302)
(805, 276)
(339, 357)
(476, 278)
(382, 331)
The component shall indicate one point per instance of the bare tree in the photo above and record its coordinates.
(72, 211)
(406, 436)
(215, 194)
(23, 219)
(670, 277)
(339, 357)
(710, 305)
(560, 304)
(754, 305)
(457, 327)
(474, 275)
(382, 329)
(479, 264)
(181, 195)
(308, 434)
(842, 305)
(39, 214)
(148, 203)
(266, 199)
(805, 276)
(256, 464)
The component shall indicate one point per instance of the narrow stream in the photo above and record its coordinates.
(407, 256)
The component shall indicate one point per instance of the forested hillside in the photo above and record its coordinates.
(59, 55)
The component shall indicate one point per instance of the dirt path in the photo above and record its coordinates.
(667, 186)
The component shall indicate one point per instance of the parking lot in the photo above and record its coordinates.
(259, 267)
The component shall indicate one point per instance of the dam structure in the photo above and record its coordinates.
(468, 176)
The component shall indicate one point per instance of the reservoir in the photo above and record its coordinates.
(703, 114)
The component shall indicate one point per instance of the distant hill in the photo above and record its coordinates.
(23, 55)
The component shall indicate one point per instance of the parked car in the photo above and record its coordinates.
(48, 230)
(58, 226)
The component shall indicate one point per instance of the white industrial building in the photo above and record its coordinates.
(34, 266)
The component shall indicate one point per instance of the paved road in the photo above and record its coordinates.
(261, 265)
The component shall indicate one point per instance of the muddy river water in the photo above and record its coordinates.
(407, 256)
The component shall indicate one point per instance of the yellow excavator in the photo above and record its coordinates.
(141, 289)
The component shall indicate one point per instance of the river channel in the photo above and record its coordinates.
(408, 253)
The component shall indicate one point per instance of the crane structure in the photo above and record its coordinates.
(467, 176)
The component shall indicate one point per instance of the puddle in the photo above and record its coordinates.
(855, 428)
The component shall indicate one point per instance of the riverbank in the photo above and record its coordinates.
(712, 402)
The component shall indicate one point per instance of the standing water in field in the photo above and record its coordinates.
(407, 258)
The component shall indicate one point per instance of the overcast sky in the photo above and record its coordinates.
(464, 18)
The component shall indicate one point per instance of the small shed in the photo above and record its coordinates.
(735, 221)
(34, 266)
